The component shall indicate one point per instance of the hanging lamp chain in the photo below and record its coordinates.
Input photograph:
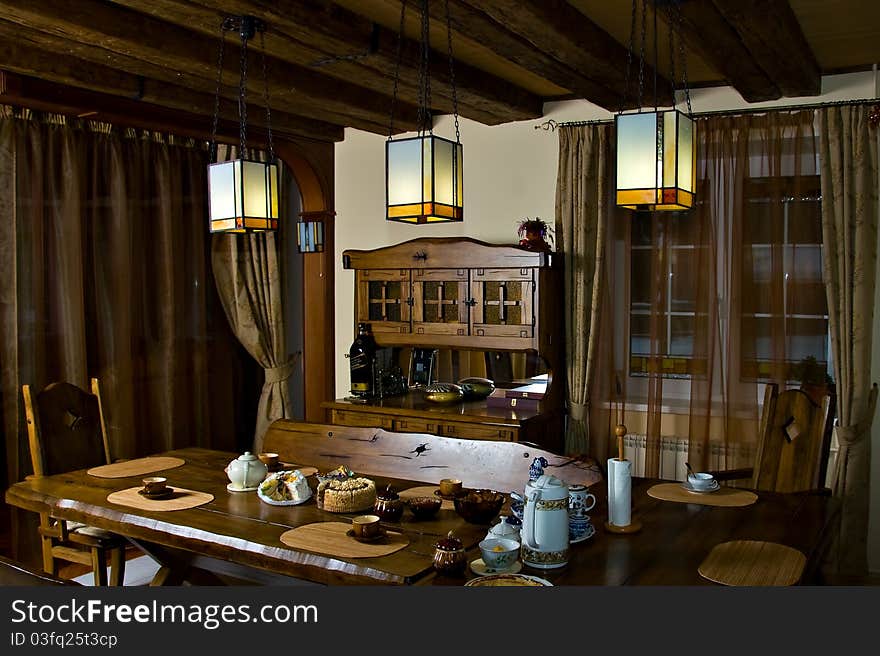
(629, 56)
(452, 74)
(216, 117)
(670, 22)
(271, 146)
(424, 116)
(242, 95)
(681, 52)
(642, 55)
(397, 68)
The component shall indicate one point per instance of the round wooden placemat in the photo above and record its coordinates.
(136, 467)
(427, 491)
(330, 538)
(753, 563)
(727, 497)
(180, 500)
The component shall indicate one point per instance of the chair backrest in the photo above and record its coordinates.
(66, 428)
(791, 442)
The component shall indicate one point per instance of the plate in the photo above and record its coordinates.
(240, 489)
(166, 494)
(382, 533)
(591, 531)
(479, 568)
(508, 580)
(708, 490)
(450, 497)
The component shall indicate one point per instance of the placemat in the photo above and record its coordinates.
(136, 467)
(426, 491)
(330, 538)
(181, 500)
(726, 496)
(753, 563)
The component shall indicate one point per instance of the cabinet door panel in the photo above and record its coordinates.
(414, 425)
(503, 306)
(440, 302)
(384, 298)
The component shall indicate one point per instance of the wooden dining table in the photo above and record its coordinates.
(237, 537)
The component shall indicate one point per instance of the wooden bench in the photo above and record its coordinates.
(503, 466)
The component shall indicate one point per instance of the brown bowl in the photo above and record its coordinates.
(479, 506)
(424, 507)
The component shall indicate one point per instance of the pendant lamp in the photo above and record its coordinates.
(423, 174)
(656, 149)
(243, 192)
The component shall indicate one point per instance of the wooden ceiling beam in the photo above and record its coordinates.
(43, 95)
(60, 68)
(322, 30)
(705, 30)
(159, 44)
(771, 32)
(496, 37)
(562, 32)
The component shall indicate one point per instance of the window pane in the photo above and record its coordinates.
(640, 334)
(807, 337)
(683, 280)
(682, 340)
(641, 279)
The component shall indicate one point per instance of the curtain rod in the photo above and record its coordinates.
(551, 125)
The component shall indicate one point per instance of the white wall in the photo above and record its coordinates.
(510, 173)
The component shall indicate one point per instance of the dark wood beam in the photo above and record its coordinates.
(770, 31)
(140, 38)
(19, 56)
(40, 94)
(496, 37)
(323, 31)
(705, 30)
(562, 32)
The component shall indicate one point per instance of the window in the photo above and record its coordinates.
(780, 304)
(784, 314)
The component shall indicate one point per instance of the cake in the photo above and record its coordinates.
(286, 486)
(349, 495)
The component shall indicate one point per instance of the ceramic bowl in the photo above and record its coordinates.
(499, 553)
(479, 506)
(701, 480)
(424, 507)
(443, 393)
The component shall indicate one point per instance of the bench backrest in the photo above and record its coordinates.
(503, 466)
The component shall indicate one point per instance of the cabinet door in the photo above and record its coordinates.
(361, 419)
(504, 302)
(477, 431)
(440, 302)
(384, 299)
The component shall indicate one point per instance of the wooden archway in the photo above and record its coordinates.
(312, 167)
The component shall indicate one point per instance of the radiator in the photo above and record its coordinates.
(674, 453)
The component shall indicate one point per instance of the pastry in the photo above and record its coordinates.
(349, 495)
(286, 486)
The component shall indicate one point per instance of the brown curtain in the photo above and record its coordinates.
(583, 216)
(677, 328)
(849, 228)
(248, 271)
(106, 273)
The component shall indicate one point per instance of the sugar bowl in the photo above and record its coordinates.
(449, 555)
(389, 506)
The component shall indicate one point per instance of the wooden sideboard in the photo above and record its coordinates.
(461, 293)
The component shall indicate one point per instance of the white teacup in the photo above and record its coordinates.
(701, 481)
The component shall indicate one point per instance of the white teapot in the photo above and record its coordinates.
(246, 472)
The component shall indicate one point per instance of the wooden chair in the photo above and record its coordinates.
(792, 443)
(66, 431)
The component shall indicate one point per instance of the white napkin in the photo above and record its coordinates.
(619, 492)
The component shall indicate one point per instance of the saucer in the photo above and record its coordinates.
(713, 488)
(591, 531)
(381, 534)
(232, 488)
(450, 497)
(167, 493)
(479, 568)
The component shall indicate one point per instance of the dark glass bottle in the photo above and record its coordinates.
(361, 359)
